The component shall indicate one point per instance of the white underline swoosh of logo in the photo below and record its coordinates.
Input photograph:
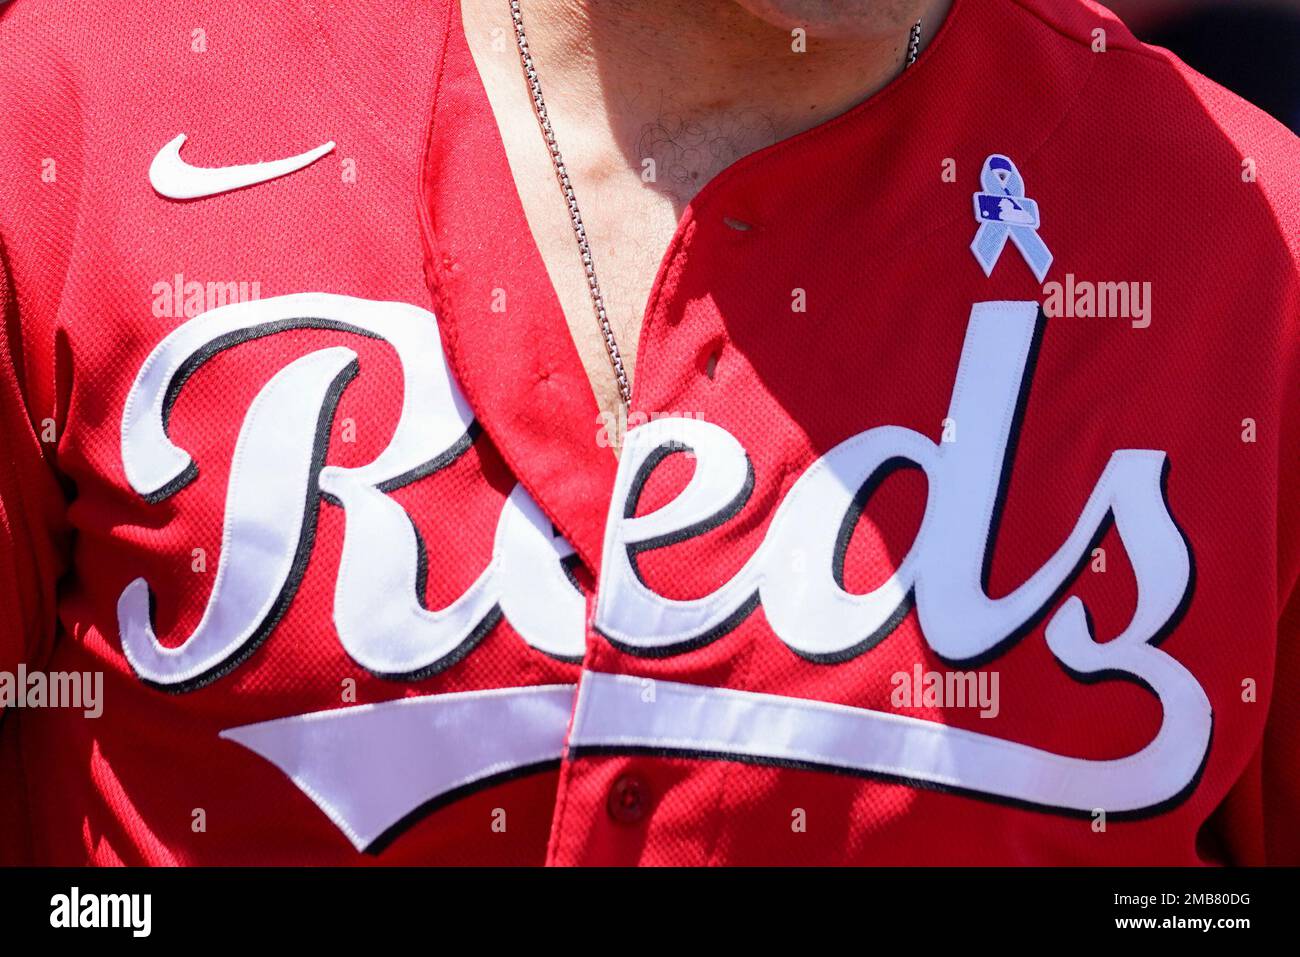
(174, 178)
(370, 767)
(727, 724)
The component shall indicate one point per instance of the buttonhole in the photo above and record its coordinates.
(737, 224)
(711, 360)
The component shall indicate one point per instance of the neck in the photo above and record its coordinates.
(703, 57)
(693, 85)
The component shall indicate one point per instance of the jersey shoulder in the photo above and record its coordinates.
(1195, 138)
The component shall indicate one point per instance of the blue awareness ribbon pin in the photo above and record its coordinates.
(1004, 213)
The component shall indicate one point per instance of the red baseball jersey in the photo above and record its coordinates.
(957, 522)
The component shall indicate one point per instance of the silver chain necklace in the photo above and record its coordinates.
(566, 187)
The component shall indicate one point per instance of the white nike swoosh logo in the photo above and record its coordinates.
(174, 178)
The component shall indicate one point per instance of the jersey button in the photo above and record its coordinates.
(629, 799)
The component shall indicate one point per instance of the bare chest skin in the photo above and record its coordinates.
(633, 175)
(628, 226)
(639, 146)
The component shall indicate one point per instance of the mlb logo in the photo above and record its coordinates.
(992, 208)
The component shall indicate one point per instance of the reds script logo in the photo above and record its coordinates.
(368, 767)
